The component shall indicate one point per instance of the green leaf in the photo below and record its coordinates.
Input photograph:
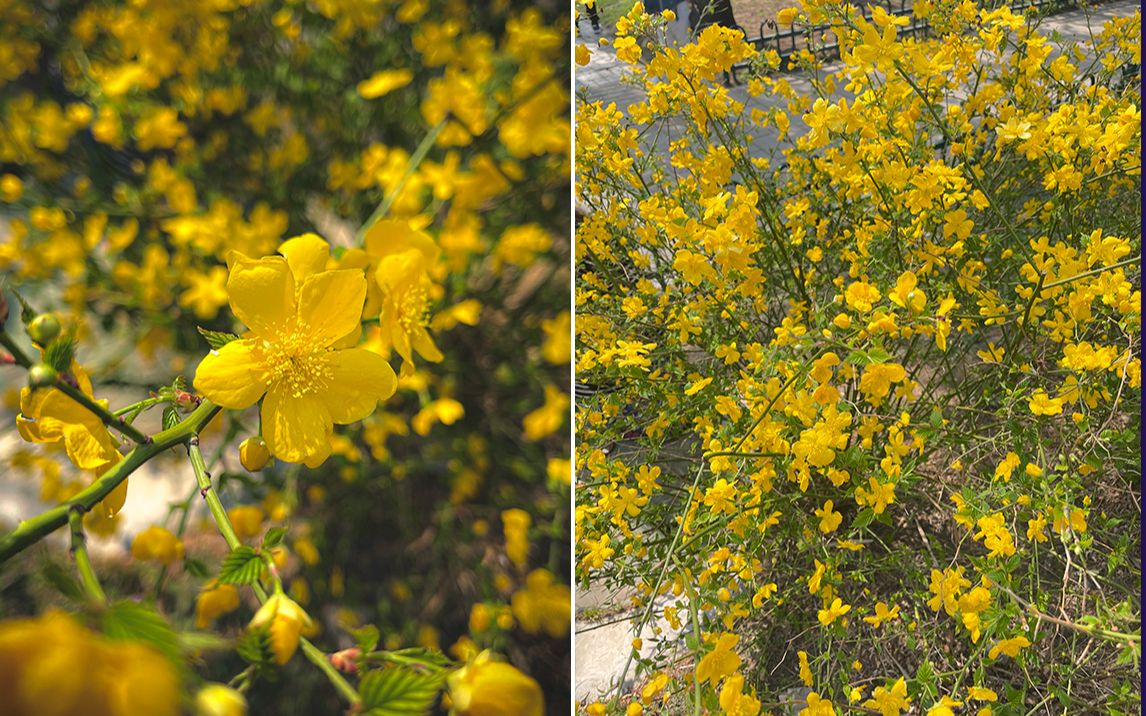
(195, 568)
(398, 692)
(63, 581)
(367, 638)
(274, 537)
(242, 566)
(863, 519)
(432, 658)
(217, 339)
(255, 646)
(60, 354)
(132, 621)
(170, 417)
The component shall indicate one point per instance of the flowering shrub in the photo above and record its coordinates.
(864, 427)
(318, 248)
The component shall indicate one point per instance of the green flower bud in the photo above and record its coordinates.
(44, 328)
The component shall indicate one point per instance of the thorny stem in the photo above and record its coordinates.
(315, 655)
(33, 530)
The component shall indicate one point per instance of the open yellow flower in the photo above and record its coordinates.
(485, 687)
(299, 317)
(50, 417)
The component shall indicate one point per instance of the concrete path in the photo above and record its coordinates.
(608, 80)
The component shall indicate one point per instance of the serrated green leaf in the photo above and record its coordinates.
(216, 339)
(170, 417)
(367, 638)
(132, 621)
(242, 566)
(429, 657)
(274, 537)
(398, 692)
(255, 646)
(195, 568)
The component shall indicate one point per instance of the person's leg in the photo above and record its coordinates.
(594, 18)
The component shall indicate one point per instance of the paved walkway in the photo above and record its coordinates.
(609, 80)
(604, 637)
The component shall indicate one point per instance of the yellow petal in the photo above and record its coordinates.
(360, 379)
(385, 82)
(285, 631)
(297, 429)
(330, 303)
(262, 293)
(306, 255)
(230, 377)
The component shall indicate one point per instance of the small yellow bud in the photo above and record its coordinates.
(253, 454)
(219, 700)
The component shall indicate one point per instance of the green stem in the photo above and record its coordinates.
(83, 563)
(411, 167)
(315, 655)
(33, 530)
(101, 412)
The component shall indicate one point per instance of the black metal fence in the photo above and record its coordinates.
(820, 40)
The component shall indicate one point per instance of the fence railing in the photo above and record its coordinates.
(820, 40)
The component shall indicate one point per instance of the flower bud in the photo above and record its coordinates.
(44, 328)
(346, 660)
(253, 454)
(41, 376)
(219, 700)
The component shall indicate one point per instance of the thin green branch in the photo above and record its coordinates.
(83, 563)
(412, 166)
(315, 655)
(33, 530)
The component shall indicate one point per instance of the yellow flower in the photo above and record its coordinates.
(247, 520)
(835, 610)
(515, 523)
(719, 662)
(1010, 647)
(805, 668)
(384, 82)
(542, 605)
(1042, 404)
(889, 702)
(213, 602)
(402, 257)
(547, 419)
(485, 687)
(882, 614)
(287, 622)
(49, 417)
(157, 544)
(53, 665)
(817, 706)
(829, 520)
(296, 315)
